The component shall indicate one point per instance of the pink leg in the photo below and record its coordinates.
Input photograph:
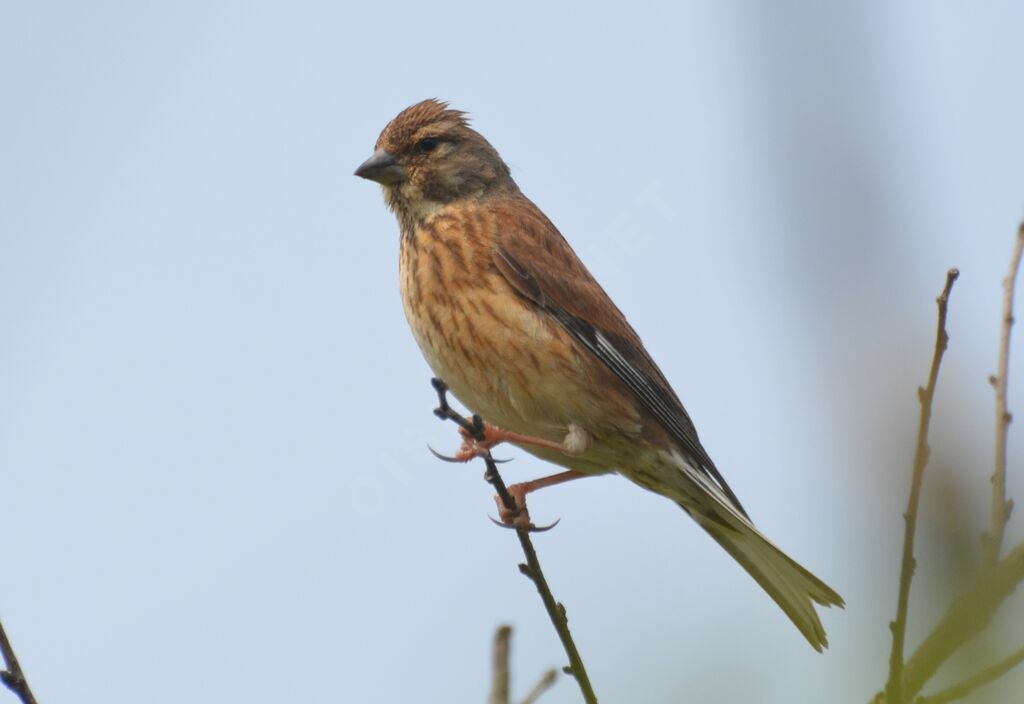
(493, 435)
(520, 517)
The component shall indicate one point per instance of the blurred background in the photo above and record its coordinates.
(214, 481)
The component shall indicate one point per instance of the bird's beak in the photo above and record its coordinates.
(381, 167)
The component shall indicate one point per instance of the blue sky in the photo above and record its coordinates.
(214, 481)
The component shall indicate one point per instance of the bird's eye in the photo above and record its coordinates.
(427, 144)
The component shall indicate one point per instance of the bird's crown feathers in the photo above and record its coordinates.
(431, 113)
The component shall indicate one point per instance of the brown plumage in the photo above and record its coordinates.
(509, 317)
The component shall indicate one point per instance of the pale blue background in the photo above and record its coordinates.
(214, 484)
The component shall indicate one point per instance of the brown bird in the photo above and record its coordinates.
(509, 317)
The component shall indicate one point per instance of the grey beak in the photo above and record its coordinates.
(382, 167)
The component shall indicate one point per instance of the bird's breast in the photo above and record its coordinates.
(501, 356)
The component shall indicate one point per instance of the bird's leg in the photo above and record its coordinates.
(479, 436)
(520, 517)
(493, 435)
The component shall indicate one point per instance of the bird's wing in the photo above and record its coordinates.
(537, 261)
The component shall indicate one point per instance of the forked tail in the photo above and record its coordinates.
(791, 586)
(715, 508)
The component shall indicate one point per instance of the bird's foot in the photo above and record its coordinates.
(518, 517)
(493, 435)
(473, 446)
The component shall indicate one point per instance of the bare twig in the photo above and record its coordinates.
(499, 671)
(547, 680)
(1001, 508)
(501, 677)
(556, 612)
(979, 679)
(894, 687)
(12, 676)
(967, 616)
(532, 569)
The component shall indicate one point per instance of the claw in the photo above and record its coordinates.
(463, 459)
(530, 529)
(459, 460)
(444, 458)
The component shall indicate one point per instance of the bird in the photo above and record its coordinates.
(508, 316)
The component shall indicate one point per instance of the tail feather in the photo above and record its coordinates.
(791, 586)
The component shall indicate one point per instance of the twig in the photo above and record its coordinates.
(983, 677)
(475, 428)
(532, 569)
(547, 680)
(1001, 508)
(556, 612)
(894, 687)
(501, 678)
(12, 677)
(967, 616)
(499, 672)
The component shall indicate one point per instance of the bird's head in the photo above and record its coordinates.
(428, 157)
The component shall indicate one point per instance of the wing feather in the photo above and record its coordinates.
(538, 263)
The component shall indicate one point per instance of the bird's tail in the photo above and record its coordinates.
(791, 586)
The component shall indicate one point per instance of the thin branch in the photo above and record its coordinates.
(500, 677)
(547, 680)
(1001, 508)
(557, 614)
(979, 679)
(967, 616)
(500, 662)
(532, 569)
(12, 677)
(894, 687)
(499, 669)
